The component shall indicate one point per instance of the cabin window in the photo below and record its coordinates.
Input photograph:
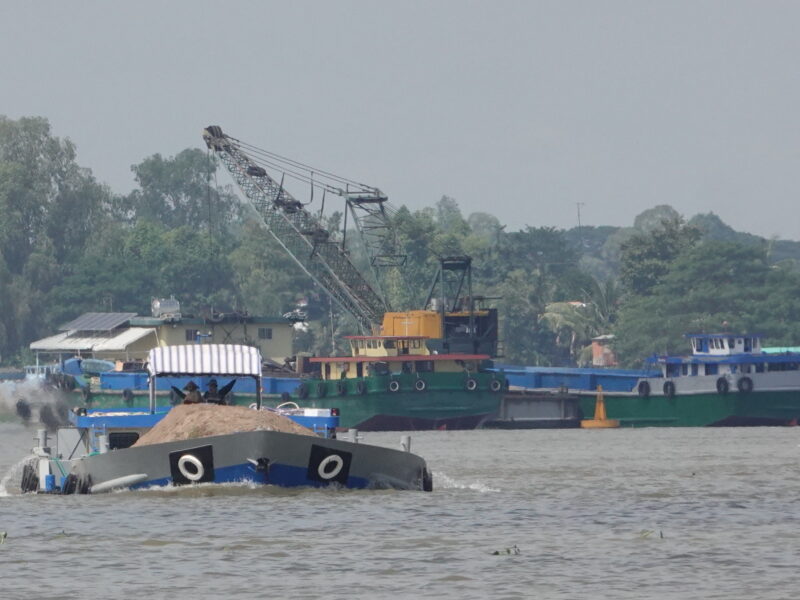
(684, 369)
(760, 368)
(673, 370)
(415, 343)
(265, 333)
(378, 368)
(388, 344)
(192, 335)
(731, 343)
(694, 369)
(424, 366)
(122, 439)
(712, 369)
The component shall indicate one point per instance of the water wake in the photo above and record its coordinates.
(442, 481)
(13, 476)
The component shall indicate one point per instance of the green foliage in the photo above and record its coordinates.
(67, 246)
(712, 287)
(646, 256)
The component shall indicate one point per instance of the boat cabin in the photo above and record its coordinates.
(385, 355)
(715, 354)
(724, 344)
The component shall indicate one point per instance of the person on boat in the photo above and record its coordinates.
(217, 396)
(191, 395)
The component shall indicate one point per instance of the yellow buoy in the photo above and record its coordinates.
(600, 420)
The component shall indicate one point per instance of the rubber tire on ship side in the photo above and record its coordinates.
(70, 484)
(669, 389)
(302, 391)
(394, 385)
(745, 385)
(420, 385)
(341, 388)
(644, 389)
(30, 480)
(496, 385)
(84, 485)
(361, 388)
(722, 386)
(127, 396)
(322, 390)
(427, 481)
(471, 385)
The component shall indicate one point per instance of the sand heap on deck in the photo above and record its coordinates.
(188, 421)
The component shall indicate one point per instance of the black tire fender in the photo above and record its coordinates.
(745, 385)
(302, 391)
(669, 389)
(722, 386)
(644, 389)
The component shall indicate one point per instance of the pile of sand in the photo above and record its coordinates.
(188, 421)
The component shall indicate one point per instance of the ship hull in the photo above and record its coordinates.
(703, 409)
(445, 403)
(258, 457)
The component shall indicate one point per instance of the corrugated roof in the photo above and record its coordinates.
(92, 343)
(62, 341)
(124, 339)
(200, 359)
(97, 322)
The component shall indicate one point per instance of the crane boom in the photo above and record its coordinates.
(299, 232)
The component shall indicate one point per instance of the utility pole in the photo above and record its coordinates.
(580, 231)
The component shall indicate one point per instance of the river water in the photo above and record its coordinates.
(634, 513)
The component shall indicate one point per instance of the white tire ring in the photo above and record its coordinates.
(193, 460)
(322, 468)
(495, 385)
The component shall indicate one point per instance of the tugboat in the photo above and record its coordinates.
(110, 456)
(395, 383)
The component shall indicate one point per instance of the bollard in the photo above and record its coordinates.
(405, 443)
(354, 437)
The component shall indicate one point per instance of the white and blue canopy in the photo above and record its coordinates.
(205, 359)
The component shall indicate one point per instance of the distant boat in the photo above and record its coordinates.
(727, 380)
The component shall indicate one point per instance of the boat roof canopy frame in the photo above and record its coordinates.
(232, 360)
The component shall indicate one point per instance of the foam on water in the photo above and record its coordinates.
(13, 476)
(442, 481)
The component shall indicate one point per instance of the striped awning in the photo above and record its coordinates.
(205, 359)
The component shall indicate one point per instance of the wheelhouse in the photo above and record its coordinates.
(725, 354)
(387, 355)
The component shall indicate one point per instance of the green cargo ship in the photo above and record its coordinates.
(394, 383)
(726, 381)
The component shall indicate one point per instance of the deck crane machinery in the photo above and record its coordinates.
(302, 233)
(457, 325)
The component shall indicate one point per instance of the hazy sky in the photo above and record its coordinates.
(520, 109)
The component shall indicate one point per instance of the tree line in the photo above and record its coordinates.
(69, 245)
